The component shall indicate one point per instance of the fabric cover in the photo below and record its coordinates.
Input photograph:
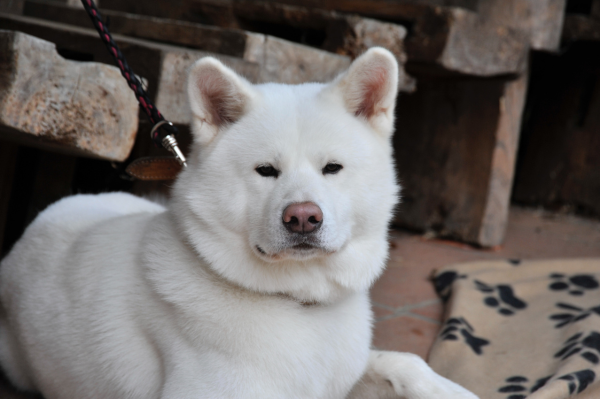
(517, 329)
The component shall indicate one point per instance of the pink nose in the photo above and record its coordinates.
(302, 217)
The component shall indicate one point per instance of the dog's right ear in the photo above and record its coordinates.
(369, 88)
(218, 97)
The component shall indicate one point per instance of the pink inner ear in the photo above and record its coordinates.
(219, 98)
(372, 91)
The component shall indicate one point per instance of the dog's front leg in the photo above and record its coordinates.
(391, 374)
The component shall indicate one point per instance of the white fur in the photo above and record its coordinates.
(116, 296)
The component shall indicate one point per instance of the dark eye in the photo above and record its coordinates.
(267, 170)
(332, 168)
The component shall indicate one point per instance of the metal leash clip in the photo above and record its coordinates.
(170, 143)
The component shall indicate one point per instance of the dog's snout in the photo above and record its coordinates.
(302, 217)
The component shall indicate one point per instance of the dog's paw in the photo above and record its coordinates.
(405, 375)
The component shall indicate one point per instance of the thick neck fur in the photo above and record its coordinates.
(323, 280)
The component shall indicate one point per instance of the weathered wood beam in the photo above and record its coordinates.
(12, 6)
(163, 66)
(8, 159)
(49, 102)
(344, 35)
(231, 42)
(483, 38)
(559, 163)
(580, 27)
(265, 59)
(457, 168)
(281, 61)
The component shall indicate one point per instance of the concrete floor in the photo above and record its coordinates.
(408, 312)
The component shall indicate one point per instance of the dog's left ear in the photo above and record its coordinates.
(369, 88)
(218, 97)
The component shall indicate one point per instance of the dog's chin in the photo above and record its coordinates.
(299, 252)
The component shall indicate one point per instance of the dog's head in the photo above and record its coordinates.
(290, 188)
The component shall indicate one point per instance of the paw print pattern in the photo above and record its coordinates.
(518, 386)
(579, 380)
(443, 283)
(501, 297)
(456, 326)
(574, 314)
(575, 285)
(588, 347)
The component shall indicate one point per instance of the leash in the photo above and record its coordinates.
(163, 132)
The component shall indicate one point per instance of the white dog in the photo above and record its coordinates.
(252, 282)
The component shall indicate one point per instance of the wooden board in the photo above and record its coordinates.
(50, 102)
(483, 38)
(342, 34)
(581, 27)
(12, 6)
(8, 159)
(148, 59)
(560, 151)
(281, 60)
(455, 146)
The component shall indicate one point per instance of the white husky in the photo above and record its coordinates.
(253, 282)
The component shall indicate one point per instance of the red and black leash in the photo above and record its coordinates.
(169, 131)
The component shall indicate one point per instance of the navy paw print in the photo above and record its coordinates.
(588, 347)
(518, 386)
(501, 297)
(574, 314)
(575, 285)
(456, 326)
(443, 283)
(579, 380)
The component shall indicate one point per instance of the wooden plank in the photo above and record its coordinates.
(456, 169)
(148, 59)
(12, 6)
(344, 35)
(50, 102)
(491, 37)
(546, 23)
(8, 159)
(504, 157)
(231, 42)
(53, 181)
(559, 164)
(580, 27)
(280, 60)
(258, 57)
(25, 170)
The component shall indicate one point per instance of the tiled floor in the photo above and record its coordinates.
(407, 309)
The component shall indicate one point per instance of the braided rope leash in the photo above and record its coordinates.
(168, 141)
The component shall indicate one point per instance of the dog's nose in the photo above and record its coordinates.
(302, 217)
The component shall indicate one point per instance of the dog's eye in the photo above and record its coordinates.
(332, 168)
(267, 170)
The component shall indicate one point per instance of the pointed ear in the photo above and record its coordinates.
(218, 97)
(369, 88)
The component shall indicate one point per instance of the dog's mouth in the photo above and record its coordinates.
(304, 246)
(260, 250)
(301, 250)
